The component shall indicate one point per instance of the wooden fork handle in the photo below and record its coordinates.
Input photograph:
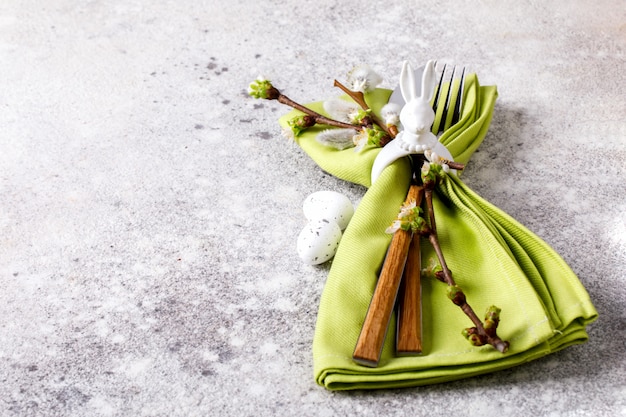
(409, 326)
(370, 342)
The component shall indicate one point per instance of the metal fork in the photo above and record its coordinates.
(453, 104)
(399, 279)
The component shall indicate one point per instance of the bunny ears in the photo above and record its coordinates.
(409, 87)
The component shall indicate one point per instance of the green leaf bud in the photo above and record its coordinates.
(455, 293)
(432, 173)
(471, 334)
(475, 340)
(262, 88)
(493, 313)
(300, 123)
(490, 324)
(375, 137)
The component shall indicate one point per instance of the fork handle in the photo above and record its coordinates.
(409, 326)
(370, 342)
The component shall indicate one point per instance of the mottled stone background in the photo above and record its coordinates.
(149, 208)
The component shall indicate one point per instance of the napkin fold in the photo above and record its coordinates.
(495, 259)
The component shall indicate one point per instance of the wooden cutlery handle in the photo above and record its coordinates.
(409, 328)
(370, 343)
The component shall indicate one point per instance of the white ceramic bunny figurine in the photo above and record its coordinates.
(417, 117)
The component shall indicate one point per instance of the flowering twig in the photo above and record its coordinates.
(482, 333)
(356, 127)
(262, 88)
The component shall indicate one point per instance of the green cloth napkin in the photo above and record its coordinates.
(496, 261)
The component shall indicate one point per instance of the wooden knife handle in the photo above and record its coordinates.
(409, 326)
(370, 342)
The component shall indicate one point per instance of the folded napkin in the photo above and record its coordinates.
(496, 261)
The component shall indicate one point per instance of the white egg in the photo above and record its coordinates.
(318, 241)
(328, 205)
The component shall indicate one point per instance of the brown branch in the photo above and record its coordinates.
(359, 98)
(454, 165)
(428, 195)
(318, 117)
(458, 297)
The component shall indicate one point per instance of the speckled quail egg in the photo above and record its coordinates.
(328, 205)
(318, 241)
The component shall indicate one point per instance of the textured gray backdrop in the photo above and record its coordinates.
(149, 208)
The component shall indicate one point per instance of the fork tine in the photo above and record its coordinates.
(444, 116)
(456, 115)
(438, 98)
(436, 103)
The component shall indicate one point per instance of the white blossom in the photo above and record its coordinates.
(391, 114)
(406, 210)
(288, 133)
(395, 226)
(363, 79)
(434, 158)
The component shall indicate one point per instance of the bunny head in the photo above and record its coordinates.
(417, 116)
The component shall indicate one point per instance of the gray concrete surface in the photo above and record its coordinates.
(149, 209)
